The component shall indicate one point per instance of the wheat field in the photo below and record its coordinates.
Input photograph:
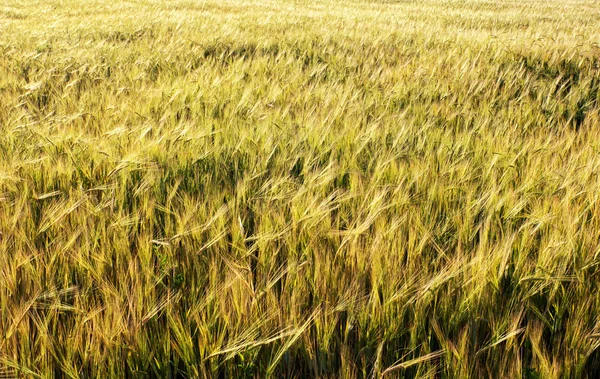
(297, 189)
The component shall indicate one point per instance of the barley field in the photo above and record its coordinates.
(299, 189)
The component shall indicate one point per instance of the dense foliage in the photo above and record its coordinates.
(299, 189)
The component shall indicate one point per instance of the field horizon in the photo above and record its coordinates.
(294, 189)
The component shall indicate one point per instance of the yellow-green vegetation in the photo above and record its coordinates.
(342, 189)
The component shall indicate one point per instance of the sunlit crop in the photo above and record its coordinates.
(296, 189)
